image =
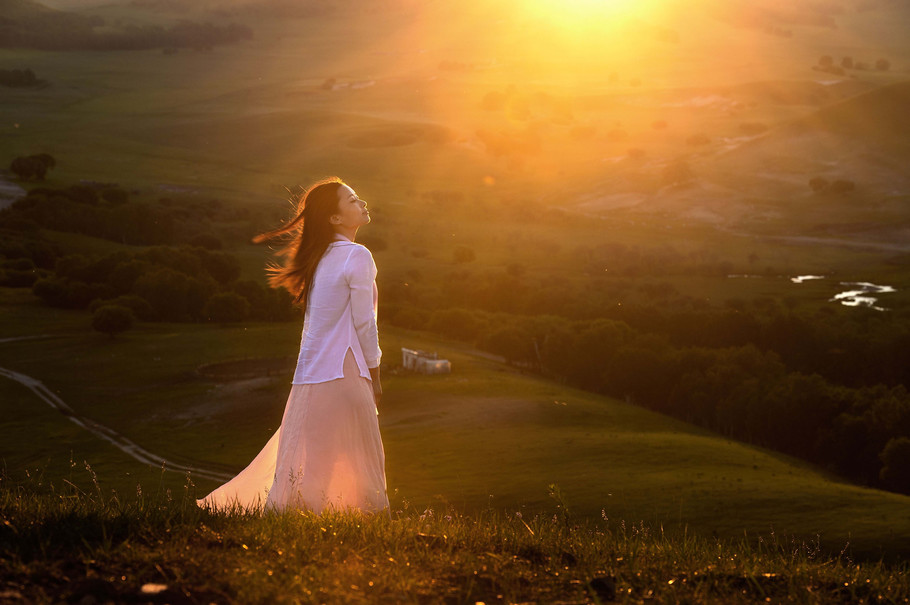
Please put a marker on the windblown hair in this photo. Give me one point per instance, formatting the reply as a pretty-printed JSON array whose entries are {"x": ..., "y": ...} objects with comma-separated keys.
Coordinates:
[{"x": 310, "y": 234}]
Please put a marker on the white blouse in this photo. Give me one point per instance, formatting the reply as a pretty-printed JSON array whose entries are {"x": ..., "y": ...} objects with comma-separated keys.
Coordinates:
[{"x": 340, "y": 315}]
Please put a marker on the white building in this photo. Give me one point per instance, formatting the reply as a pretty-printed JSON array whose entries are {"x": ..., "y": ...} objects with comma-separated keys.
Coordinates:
[{"x": 423, "y": 362}]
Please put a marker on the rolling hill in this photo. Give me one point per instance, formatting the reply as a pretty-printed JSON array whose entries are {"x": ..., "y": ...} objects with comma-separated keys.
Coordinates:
[{"x": 484, "y": 435}]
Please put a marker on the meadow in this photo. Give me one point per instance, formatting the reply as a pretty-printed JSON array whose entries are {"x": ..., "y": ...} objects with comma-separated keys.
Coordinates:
[
  {"x": 162, "y": 549},
  {"x": 607, "y": 458},
  {"x": 673, "y": 145}
]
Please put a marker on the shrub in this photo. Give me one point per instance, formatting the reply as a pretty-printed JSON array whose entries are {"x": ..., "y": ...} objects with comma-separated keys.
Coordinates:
[
  {"x": 19, "y": 264},
  {"x": 32, "y": 166},
  {"x": 115, "y": 196},
  {"x": 842, "y": 186},
  {"x": 83, "y": 194},
  {"x": 227, "y": 307},
  {"x": 173, "y": 295},
  {"x": 140, "y": 307},
  {"x": 753, "y": 128},
  {"x": 510, "y": 342},
  {"x": 883, "y": 65},
  {"x": 206, "y": 241},
  {"x": 18, "y": 278},
  {"x": 223, "y": 267},
  {"x": 19, "y": 78},
  {"x": 583, "y": 133},
  {"x": 896, "y": 464},
  {"x": 826, "y": 61},
  {"x": 819, "y": 184},
  {"x": 456, "y": 323},
  {"x": 493, "y": 101},
  {"x": 112, "y": 319},
  {"x": 463, "y": 254},
  {"x": 617, "y": 134},
  {"x": 516, "y": 269},
  {"x": 406, "y": 316},
  {"x": 677, "y": 173},
  {"x": 66, "y": 293}
]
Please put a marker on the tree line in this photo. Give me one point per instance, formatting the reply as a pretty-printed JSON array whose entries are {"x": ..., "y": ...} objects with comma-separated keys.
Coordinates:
[
  {"x": 826, "y": 385},
  {"x": 183, "y": 275},
  {"x": 741, "y": 391},
  {"x": 58, "y": 30},
  {"x": 107, "y": 212},
  {"x": 20, "y": 78}
]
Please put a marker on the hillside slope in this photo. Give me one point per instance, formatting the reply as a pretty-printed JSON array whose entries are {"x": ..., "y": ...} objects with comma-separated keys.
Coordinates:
[
  {"x": 23, "y": 9},
  {"x": 875, "y": 118},
  {"x": 485, "y": 434}
]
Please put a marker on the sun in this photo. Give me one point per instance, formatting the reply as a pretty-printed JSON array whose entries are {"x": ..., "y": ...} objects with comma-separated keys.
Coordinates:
[{"x": 588, "y": 9}]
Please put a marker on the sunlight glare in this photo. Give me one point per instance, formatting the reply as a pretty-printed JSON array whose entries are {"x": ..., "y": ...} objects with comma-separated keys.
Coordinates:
[{"x": 578, "y": 12}]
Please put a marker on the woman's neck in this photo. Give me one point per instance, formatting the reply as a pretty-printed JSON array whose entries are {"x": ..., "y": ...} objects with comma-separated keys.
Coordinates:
[{"x": 347, "y": 233}]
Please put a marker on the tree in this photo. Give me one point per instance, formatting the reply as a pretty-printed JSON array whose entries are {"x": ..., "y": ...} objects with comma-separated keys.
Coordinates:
[
  {"x": 819, "y": 184},
  {"x": 226, "y": 307},
  {"x": 24, "y": 168},
  {"x": 207, "y": 241},
  {"x": 511, "y": 343},
  {"x": 223, "y": 267},
  {"x": 677, "y": 173},
  {"x": 842, "y": 186},
  {"x": 115, "y": 196},
  {"x": 463, "y": 254},
  {"x": 883, "y": 65},
  {"x": 896, "y": 464},
  {"x": 112, "y": 319},
  {"x": 826, "y": 61},
  {"x": 32, "y": 166},
  {"x": 140, "y": 307},
  {"x": 456, "y": 323},
  {"x": 167, "y": 291}
]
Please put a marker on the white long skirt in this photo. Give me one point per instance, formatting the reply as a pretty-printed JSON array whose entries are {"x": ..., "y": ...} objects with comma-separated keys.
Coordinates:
[{"x": 327, "y": 453}]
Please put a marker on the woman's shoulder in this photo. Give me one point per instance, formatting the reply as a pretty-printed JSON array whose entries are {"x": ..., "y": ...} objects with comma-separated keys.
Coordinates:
[
  {"x": 361, "y": 250},
  {"x": 359, "y": 256}
]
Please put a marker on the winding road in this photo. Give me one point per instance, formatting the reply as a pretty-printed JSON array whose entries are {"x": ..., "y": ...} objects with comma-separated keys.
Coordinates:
[{"x": 111, "y": 436}]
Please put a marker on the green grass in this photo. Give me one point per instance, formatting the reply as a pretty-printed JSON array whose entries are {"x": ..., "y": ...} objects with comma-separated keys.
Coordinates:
[
  {"x": 484, "y": 434},
  {"x": 66, "y": 544}
]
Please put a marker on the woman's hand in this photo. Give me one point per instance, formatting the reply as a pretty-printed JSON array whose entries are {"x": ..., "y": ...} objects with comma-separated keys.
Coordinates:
[{"x": 377, "y": 385}]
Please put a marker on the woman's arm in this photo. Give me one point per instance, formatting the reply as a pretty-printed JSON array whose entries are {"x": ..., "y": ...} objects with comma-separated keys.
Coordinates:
[
  {"x": 360, "y": 272},
  {"x": 377, "y": 385}
]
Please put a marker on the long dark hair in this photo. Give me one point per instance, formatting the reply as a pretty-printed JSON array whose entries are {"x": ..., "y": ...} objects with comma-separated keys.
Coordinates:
[{"x": 311, "y": 235}]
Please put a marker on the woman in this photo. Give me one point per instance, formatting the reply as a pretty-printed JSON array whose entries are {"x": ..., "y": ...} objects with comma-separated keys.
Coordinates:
[{"x": 327, "y": 453}]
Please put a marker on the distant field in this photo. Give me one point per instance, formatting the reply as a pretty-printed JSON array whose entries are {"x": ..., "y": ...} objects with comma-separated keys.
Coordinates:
[
  {"x": 407, "y": 106},
  {"x": 484, "y": 434}
]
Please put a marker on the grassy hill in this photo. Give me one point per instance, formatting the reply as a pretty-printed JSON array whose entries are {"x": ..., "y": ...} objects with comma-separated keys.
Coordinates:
[
  {"x": 23, "y": 9},
  {"x": 872, "y": 118},
  {"x": 483, "y": 436},
  {"x": 81, "y": 547}
]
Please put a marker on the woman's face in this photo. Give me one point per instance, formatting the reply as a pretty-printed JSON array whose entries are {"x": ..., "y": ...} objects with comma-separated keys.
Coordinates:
[{"x": 352, "y": 211}]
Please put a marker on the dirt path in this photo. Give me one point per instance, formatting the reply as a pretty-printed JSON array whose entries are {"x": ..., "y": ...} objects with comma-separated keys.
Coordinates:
[
  {"x": 9, "y": 192},
  {"x": 114, "y": 438},
  {"x": 825, "y": 241}
]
